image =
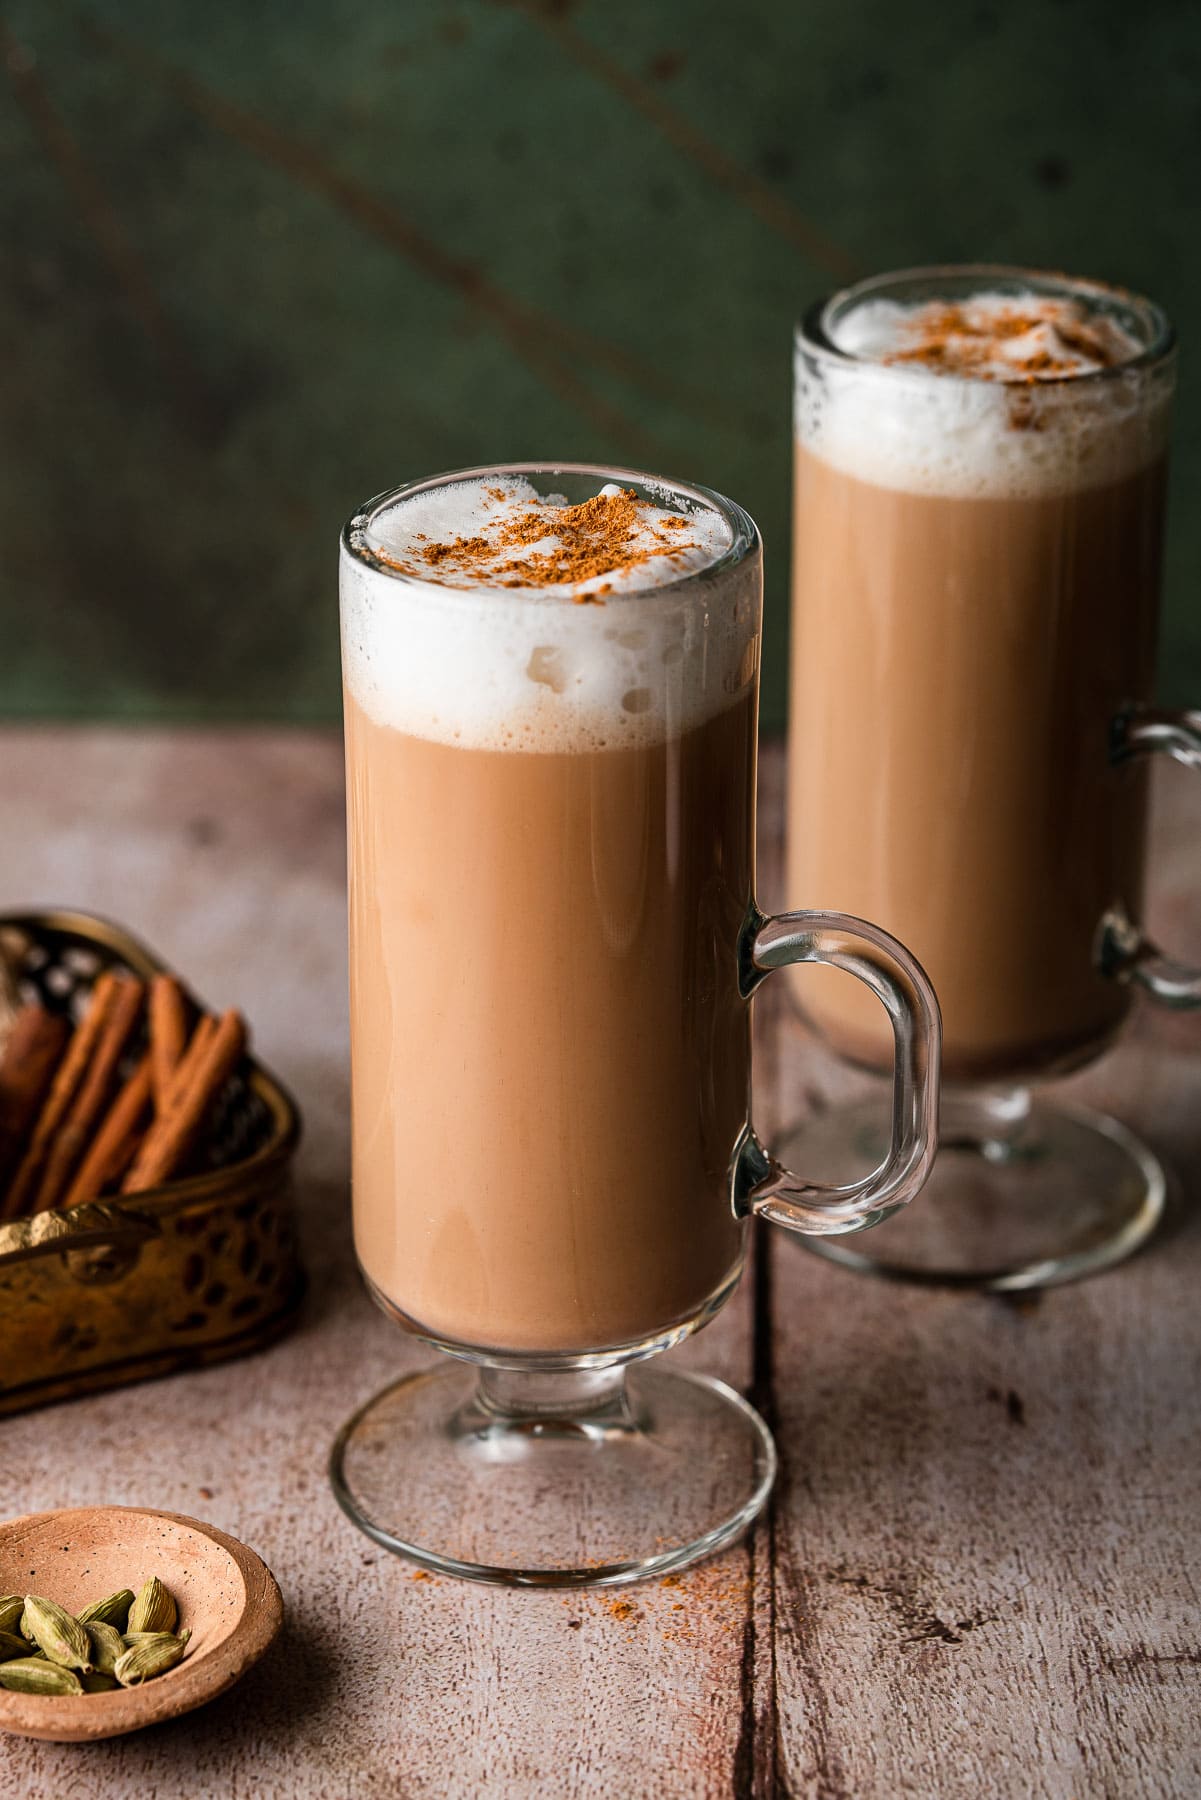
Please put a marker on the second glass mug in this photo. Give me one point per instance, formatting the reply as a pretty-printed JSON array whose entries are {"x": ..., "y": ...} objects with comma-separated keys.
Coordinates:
[
  {"x": 554, "y": 943},
  {"x": 976, "y": 590}
]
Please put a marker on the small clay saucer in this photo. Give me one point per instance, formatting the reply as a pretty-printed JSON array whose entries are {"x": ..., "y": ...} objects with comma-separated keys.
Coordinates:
[{"x": 227, "y": 1597}]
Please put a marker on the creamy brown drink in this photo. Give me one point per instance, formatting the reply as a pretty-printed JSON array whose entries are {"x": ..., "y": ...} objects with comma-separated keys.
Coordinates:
[
  {"x": 551, "y": 681},
  {"x": 976, "y": 573},
  {"x": 550, "y": 784}
]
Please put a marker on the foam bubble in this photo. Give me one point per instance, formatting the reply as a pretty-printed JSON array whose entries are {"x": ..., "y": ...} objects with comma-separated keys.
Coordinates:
[
  {"x": 992, "y": 407},
  {"x": 559, "y": 667}
]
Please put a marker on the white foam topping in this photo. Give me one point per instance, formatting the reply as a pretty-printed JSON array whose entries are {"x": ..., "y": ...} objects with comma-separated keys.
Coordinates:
[
  {"x": 981, "y": 397},
  {"x": 458, "y": 626},
  {"x": 988, "y": 337},
  {"x": 461, "y": 535}
]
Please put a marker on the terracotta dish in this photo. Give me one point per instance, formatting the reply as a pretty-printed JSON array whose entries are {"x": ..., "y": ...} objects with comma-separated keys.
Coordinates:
[{"x": 227, "y": 1597}]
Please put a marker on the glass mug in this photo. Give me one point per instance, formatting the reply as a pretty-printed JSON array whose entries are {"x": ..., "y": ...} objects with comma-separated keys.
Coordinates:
[
  {"x": 553, "y": 944},
  {"x": 975, "y": 595}
]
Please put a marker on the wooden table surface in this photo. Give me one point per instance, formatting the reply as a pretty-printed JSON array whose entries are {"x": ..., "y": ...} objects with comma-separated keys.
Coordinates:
[{"x": 980, "y": 1575}]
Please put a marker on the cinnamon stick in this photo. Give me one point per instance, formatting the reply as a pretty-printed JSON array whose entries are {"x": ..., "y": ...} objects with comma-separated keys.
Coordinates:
[
  {"x": 116, "y": 1142},
  {"x": 31, "y": 1055},
  {"x": 189, "y": 1062},
  {"x": 92, "y": 1095},
  {"x": 63, "y": 1089},
  {"x": 211, "y": 1059},
  {"x": 168, "y": 1034},
  {"x": 185, "y": 1074}
]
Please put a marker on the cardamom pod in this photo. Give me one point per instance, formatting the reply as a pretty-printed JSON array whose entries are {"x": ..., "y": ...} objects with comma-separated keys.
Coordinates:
[
  {"x": 95, "y": 1681},
  {"x": 53, "y": 1630},
  {"x": 11, "y": 1608},
  {"x": 152, "y": 1655},
  {"x": 30, "y": 1675},
  {"x": 106, "y": 1645},
  {"x": 114, "y": 1611},
  {"x": 154, "y": 1609},
  {"x": 12, "y": 1644}
]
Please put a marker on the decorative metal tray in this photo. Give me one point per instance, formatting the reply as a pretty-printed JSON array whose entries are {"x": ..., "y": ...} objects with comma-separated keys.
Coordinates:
[{"x": 126, "y": 1288}]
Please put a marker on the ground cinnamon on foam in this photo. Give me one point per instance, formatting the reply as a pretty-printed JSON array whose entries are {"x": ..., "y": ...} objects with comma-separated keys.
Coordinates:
[
  {"x": 598, "y": 537},
  {"x": 948, "y": 341}
]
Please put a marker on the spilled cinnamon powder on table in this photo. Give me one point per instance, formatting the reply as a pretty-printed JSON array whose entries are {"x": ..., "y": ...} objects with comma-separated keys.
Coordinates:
[
  {"x": 712, "y": 1598},
  {"x": 602, "y": 536}
]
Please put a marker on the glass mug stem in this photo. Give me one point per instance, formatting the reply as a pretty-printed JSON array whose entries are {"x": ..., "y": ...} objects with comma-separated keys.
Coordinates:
[
  {"x": 763, "y": 1186},
  {"x": 1125, "y": 953}
]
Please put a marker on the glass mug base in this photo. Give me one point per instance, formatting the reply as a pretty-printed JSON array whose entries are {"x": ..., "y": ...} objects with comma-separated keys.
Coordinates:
[
  {"x": 1066, "y": 1193},
  {"x": 528, "y": 1479}
]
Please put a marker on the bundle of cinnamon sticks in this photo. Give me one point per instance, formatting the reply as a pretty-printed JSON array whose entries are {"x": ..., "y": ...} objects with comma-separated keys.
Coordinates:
[{"x": 118, "y": 1104}]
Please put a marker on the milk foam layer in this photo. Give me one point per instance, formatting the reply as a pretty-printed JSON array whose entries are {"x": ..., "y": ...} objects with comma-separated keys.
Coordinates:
[
  {"x": 993, "y": 407},
  {"x": 990, "y": 337},
  {"x": 420, "y": 537},
  {"x": 555, "y": 667}
]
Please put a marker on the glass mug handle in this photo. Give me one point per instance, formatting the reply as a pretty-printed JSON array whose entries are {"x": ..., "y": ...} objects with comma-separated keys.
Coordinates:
[
  {"x": 1125, "y": 953},
  {"x": 763, "y": 1186}
]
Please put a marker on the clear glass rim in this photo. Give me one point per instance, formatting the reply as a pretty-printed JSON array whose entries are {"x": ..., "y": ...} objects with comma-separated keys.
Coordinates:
[
  {"x": 1151, "y": 323},
  {"x": 357, "y": 542}
]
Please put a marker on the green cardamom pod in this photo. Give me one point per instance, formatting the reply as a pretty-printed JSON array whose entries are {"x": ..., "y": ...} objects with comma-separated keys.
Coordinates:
[
  {"x": 12, "y": 1644},
  {"x": 95, "y": 1681},
  {"x": 114, "y": 1611},
  {"x": 154, "y": 1609},
  {"x": 11, "y": 1608},
  {"x": 106, "y": 1645},
  {"x": 30, "y": 1675},
  {"x": 53, "y": 1630},
  {"x": 154, "y": 1654}
]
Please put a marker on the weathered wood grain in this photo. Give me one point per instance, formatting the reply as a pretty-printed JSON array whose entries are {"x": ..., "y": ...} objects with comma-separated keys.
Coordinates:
[
  {"x": 986, "y": 1535},
  {"x": 981, "y": 1574}
]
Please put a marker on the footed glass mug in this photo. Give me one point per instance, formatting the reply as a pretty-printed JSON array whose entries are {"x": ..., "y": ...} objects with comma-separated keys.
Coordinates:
[
  {"x": 980, "y": 471},
  {"x": 553, "y": 946}
]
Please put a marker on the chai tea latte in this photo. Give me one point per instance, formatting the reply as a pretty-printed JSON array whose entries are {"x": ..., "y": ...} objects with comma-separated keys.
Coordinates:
[
  {"x": 550, "y": 787},
  {"x": 975, "y": 584}
]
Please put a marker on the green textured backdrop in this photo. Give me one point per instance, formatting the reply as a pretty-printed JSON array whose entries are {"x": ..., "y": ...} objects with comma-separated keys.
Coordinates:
[{"x": 262, "y": 260}]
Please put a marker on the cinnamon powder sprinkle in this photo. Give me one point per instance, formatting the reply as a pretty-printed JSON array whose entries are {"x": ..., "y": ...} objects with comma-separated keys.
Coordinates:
[
  {"x": 948, "y": 340},
  {"x": 607, "y": 535}
]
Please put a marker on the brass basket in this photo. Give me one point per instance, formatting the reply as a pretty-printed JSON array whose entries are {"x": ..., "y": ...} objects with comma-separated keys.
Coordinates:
[{"x": 123, "y": 1289}]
